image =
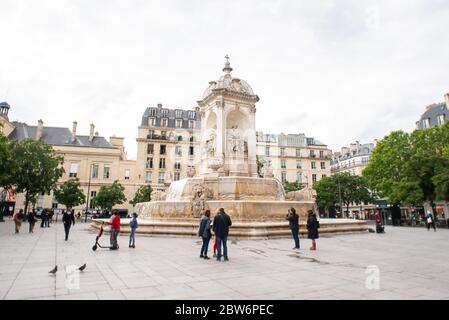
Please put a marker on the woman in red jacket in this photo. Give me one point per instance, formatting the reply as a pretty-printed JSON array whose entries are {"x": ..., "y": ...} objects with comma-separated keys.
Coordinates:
[{"x": 115, "y": 229}]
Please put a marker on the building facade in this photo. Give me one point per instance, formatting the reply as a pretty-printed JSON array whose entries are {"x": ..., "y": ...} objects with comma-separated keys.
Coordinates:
[
  {"x": 435, "y": 115},
  {"x": 352, "y": 159},
  {"x": 94, "y": 160},
  {"x": 168, "y": 145},
  {"x": 294, "y": 157}
]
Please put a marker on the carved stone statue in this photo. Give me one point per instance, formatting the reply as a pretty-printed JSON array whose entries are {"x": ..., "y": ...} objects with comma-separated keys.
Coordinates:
[
  {"x": 191, "y": 171},
  {"x": 235, "y": 142},
  {"x": 198, "y": 203},
  {"x": 210, "y": 145},
  {"x": 305, "y": 194},
  {"x": 157, "y": 195}
]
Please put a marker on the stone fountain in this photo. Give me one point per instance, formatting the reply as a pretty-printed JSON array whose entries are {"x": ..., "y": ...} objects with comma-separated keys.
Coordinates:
[{"x": 227, "y": 176}]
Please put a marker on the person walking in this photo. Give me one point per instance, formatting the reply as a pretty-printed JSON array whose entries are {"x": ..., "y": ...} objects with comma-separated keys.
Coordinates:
[
  {"x": 430, "y": 221},
  {"x": 43, "y": 218},
  {"x": 31, "y": 217},
  {"x": 68, "y": 219},
  {"x": 17, "y": 217},
  {"x": 312, "y": 228},
  {"x": 205, "y": 233},
  {"x": 221, "y": 225},
  {"x": 293, "y": 221},
  {"x": 115, "y": 229},
  {"x": 133, "y": 225},
  {"x": 49, "y": 217}
]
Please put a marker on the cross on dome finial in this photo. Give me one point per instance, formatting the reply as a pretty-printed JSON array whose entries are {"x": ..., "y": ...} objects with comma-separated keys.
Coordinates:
[{"x": 227, "y": 68}]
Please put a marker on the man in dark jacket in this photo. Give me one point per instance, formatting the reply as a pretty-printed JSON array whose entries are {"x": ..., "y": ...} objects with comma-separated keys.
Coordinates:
[
  {"x": 221, "y": 225},
  {"x": 68, "y": 219},
  {"x": 293, "y": 220}
]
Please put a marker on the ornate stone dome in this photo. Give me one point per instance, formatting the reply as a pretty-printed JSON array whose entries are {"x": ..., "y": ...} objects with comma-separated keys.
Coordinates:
[{"x": 228, "y": 83}]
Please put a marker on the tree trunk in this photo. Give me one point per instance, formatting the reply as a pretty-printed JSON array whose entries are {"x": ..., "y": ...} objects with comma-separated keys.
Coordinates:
[{"x": 27, "y": 200}]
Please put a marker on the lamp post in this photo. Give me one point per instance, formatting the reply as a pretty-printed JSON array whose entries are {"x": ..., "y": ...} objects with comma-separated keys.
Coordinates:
[
  {"x": 88, "y": 192},
  {"x": 339, "y": 194}
]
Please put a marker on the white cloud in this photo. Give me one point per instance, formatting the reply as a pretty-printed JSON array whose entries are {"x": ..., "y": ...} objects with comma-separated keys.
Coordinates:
[{"x": 337, "y": 70}]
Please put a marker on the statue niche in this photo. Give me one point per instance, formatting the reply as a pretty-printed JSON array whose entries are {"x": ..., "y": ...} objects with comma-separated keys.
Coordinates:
[
  {"x": 236, "y": 144},
  {"x": 198, "y": 205}
]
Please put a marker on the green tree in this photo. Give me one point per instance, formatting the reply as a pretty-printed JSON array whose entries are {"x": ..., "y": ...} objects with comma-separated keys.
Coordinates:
[
  {"x": 327, "y": 192},
  {"x": 70, "y": 194},
  {"x": 292, "y": 186},
  {"x": 8, "y": 166},
  {"x": 260, "y": 165},
  {"x": 108, "y": 196},
  {"x": 143, "y": 194},
  {"x": 38, "y": 168}
]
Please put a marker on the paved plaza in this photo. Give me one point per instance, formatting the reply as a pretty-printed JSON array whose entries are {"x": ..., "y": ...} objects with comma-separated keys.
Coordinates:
[{"x": 413, "y": 263}]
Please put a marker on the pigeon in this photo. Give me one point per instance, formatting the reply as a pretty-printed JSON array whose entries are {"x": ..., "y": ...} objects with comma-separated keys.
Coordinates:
[
  {"x": 82, "y": 267},
  {"x": 53, "y": 271}
]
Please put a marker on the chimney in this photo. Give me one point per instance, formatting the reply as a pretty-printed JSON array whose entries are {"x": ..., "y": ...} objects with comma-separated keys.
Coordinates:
[
  {"x": 446, "y": 98},
  {"x": 74, "y": 131},
  {"x": 39, "y": 129},
  {"x": 91, "y": 134},
  {"x": 159, "y": 105}
]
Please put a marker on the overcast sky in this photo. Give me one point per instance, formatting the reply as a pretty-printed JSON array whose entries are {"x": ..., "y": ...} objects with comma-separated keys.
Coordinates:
[{"x": 337, "y": 70}]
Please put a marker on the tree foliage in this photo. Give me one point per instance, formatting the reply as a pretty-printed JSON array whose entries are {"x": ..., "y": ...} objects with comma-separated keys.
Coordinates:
[
  {"x": 292, "y": 186},
  {"x": 109, "y": 196},
  {"x": 38, "y": 168},
  {"x": 8, "y": 166},
  {"x": 143, "y": 194},
  {"x": 260, "y": 165},
  {"x": 70, "y": 194},
  {"x": 411, "y": 168}
]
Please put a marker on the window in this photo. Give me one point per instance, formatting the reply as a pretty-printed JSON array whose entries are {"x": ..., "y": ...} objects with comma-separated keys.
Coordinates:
[
  {"x": 73, "y": 170},
  {"x": 95, "y": 168},
  {"x": 162, "y": 149},
  {"x": 153, "y": 112},
  {"x": 313, "y": 165},
  {"x": 282, "y": 152},
  {"x": 440, "y": 119},
  {"x": 106, "y": 172},
  {"x": 164, "y": 135},
  {"x": 284, "y": 176},
  {"x": 191, "y": 139},
  {"x": 161, "y": 177},
  {"x": 298, "y": 164},
  {"x": 299, "y": 177},
  {"x": 191, "y": 114},
  {"x": 267, "y": 151},
  {"x": 298, "y": 152},
  {"x": 162, "y": 163},
  {"x": 365, "y": 160},
  {"x": 93, "y": 194},
  {"x": 177, "y": 176},
  {"x": 164, "y": 122},
  {"x": 178, "y": 123},
  {"x": 321, "y": 154},
  {"x": 191, "y": 151},
  {"x": 191, "y": 124},
  {"x": 324, "y": 176},
  {"x": 178, "y": 151},
  {"x": 150, "y": 148},
  {"x": 150, "y": 134},
  {"x": 313, "y": 178},
  {"x": 178, "y": 113},
  {"x": 323, "y": 165},
  {"x": 426, "y": 123},
  {"x": 148, "y": 177},
  {"x": 126, "y": 174},
  {"x": 177, "y": 165},
  {"x": 179, "y": 138},
  {"x": 149, "y": 163},
  {"x": 152, "y": 122},
  {"x": 312, "y": 153},
  {"x": 165, "y": 113},
  {"x": 283, "y": 164}
]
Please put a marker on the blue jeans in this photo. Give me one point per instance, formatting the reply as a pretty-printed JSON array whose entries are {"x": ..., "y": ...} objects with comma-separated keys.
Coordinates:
[
  {"x": 223, "y": 241},
  {"x": 67, "y": 230},
  {"x": 205, "y": 245},
  {"x": 295, "y": 235},
  {"x": 132, "y": 237}
]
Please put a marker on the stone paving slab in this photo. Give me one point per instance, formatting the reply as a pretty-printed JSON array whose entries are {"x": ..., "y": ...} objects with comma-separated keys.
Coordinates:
[{"x": 412, "y": 264}]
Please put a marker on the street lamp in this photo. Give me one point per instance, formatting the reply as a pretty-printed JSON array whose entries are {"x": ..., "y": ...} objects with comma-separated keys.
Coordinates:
[
  {"x": 88, "y": 192},
  {"x": 339, "y": 194}
]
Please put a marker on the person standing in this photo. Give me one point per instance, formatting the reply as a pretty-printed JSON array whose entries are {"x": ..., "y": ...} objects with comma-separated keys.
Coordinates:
[
  {"x": 293, "y": 221},
  {"x": 43, "y": 218},
  {"x": 17, "y": 217},
  {"x": 312, "y": 228},
  {"x": 115, "y": 229},
  {"x": 205, "y": 233},
  {"x": 221, "y": 225},
  {"x": 430, "y": 221},
  {"x": 133, "y": 225},
  {"x": 31, "y": 217},
  {"x": 68, "y": 219}
]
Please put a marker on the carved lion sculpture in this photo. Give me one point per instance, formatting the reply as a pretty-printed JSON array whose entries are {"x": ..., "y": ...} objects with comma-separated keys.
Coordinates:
[{"x": 305, "y": 194}]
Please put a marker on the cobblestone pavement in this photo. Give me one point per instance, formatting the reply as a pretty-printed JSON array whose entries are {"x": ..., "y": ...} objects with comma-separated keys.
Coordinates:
[{"x": 411, "y": 263}]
